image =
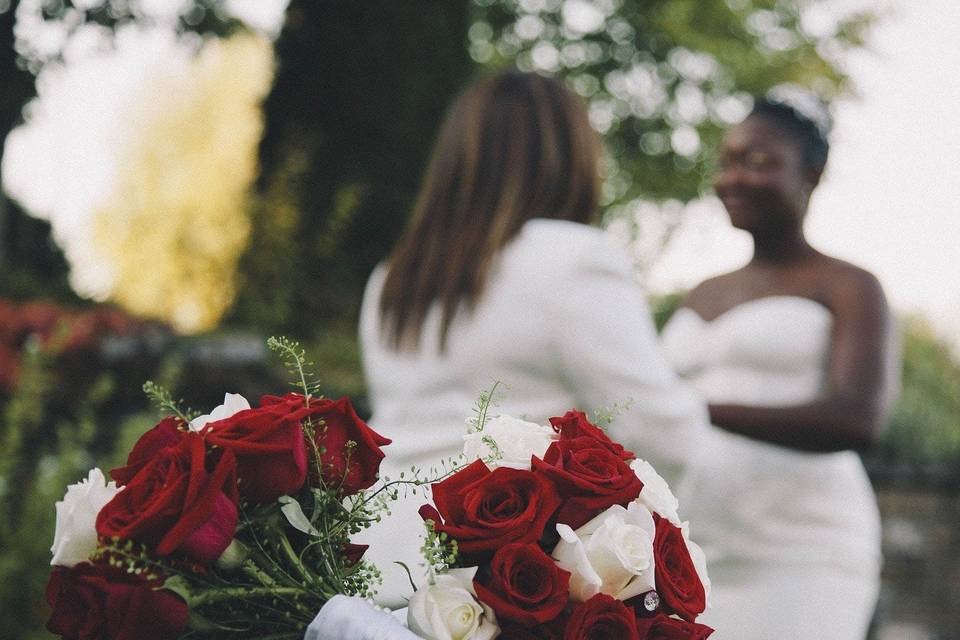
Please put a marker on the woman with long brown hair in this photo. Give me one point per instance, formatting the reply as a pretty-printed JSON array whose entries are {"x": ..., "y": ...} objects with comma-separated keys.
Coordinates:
[{"x": 500, "y": 277}]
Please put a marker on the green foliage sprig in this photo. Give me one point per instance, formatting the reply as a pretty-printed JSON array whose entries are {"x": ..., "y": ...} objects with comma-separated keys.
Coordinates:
[
  {"x": 163, "y": 400},
  {"x": 295, "y": 359},
  {"x": 439, "y": 550}
]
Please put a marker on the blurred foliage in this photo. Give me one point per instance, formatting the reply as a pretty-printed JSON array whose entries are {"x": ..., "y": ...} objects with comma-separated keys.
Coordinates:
[
  {"x": 664, "y": 306},
  {"x": 361, "y": 87},
  {"x": 359, "y": 91},
  {"x": 71, "y": 411},
  {"x": 46, "y": 444},
  {"x": 64, "y": 18},
  {"x": 175, "y": 222},
  {"x": 665, "y": 77},
  {"x": 31, "y": 264},
  {"x": 925, "y": 426}
]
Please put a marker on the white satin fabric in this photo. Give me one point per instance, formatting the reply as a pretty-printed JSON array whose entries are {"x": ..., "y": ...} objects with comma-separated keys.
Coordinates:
[
  {"x": 564, "y": 325},
  {"x": 792, "y": 538},
  {"x": 351, "y": 618}
]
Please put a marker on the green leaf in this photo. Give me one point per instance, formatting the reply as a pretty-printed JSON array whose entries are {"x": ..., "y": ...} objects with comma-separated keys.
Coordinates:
[{"x": 296, "y": 517}]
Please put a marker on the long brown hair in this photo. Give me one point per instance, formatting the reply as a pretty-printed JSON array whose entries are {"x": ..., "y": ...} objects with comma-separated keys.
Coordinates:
[{"x": 514, "y": 146}]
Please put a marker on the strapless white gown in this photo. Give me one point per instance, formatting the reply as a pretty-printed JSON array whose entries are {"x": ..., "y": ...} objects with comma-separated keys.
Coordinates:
[{"x": 792, "y": 538}]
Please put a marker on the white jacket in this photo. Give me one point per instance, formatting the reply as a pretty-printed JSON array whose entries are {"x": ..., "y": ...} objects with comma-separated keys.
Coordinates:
[{"x": 563, "y": 324}]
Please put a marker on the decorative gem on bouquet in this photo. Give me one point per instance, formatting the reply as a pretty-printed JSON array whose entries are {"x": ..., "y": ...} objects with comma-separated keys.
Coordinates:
[{"x": 568, "y": 536}]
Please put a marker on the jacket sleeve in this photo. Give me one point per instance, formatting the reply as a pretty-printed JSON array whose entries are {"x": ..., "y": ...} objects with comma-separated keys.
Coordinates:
[{"x": 608, "y": 352}]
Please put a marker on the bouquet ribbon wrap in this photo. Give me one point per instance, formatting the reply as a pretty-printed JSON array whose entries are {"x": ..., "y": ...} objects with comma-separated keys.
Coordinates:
[{"x": 352, "y": 618}]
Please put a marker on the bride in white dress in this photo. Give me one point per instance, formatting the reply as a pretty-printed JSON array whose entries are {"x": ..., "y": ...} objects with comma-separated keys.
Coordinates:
[
  {"x": 498, "y": 276},
  {"x": 794, "y": 354}
]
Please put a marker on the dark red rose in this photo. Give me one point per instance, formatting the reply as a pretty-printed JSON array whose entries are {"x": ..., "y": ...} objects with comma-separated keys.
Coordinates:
[
  {"x": 525, "y": 585},
  {"x": 168, "y": 433},
  {"x": 574, "y": 424},
  {"x": 602, "y": 617},
  {"x": 589, "y": 476},
  {"x": 483, "y": 510},
  {"x": 175, "y": 504},
  {"x": 97, "y": 601},
  {"x": 350, "y": 450},
  {"x": 270, "y": 448},
  {"x": 552, "y": 630},
  {"x": 678, "y": 583},
  {"x": 354, "y": 552},
  {"x": 663, "y": 627}
]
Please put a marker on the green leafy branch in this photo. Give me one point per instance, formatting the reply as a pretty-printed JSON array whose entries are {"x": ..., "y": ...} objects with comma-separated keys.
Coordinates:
[
  {"x": 163, "y": 400},
  {"x": 294, "y": 358},
  {"x": 439, "y": 550},
  {"x": 486, "y": 399}
]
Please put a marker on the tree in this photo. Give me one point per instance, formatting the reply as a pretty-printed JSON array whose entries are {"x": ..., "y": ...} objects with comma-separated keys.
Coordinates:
[
  {"x": 361, "y": 88},
  {"x": 665, "y": 77},
  {"x": 30, "y": 263},
  {"x": 358, "y": 94}
]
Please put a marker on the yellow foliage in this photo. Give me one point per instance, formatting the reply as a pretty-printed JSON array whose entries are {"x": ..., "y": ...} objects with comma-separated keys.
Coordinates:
[{"x": 178, "y": 219}]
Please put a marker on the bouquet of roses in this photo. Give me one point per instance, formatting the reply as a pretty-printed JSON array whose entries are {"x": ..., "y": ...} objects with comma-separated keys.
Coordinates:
[
  {"x": 556, "y": 532},
  {"x": 231, "y": 524}
]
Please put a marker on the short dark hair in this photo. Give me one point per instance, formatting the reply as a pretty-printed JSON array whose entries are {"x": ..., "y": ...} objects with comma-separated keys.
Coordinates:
[{"x": 810, "y": 136}]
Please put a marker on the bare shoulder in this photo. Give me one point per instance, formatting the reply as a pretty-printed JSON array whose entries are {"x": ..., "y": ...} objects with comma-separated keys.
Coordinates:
[
  {"x": 712, "y": 289},
  {"x": 853, "y": 287}
]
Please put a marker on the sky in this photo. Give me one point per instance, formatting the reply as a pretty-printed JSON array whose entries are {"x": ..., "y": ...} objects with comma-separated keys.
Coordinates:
[{"x": 890, "y": 199}]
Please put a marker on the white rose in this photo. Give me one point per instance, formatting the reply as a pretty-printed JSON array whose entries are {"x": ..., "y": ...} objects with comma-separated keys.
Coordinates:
[
  {"x": 232, "y": 403},
  {"x": 516, "y": 440},
  {"x": 611, "y": 554},
  {"x": 656, "y": 494},
  {"x": 75, "y": 537},
  {"x": 449, "y": 610},
  {"x": 699, "y": 560}
]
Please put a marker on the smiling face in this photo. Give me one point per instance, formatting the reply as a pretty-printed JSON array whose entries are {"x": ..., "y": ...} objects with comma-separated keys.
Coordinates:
[{"x": 763, "y": 181}]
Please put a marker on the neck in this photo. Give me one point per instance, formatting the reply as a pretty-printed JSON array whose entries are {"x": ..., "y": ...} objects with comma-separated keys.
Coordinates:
[{"x": 781, "y": 246}]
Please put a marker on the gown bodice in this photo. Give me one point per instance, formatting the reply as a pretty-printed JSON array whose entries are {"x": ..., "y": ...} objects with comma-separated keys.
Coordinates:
[{"x": 752, "y": 499}]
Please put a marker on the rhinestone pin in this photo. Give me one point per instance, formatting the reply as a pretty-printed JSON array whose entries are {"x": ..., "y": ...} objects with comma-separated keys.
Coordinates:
[{"x": 651, "y": 601}]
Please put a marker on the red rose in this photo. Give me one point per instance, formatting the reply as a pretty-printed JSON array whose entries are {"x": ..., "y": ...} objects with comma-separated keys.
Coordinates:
[
  {"x": 354, "y": 552},
  {"x": 175, "y": 504},
  {"x": 270, "y": 448},
  {"x": 678, "y": 583},
  {"x": 552, "y": 630},
  {"x": 589, "y": 476},
  {"x": 483, "y": 510},
  {"x": 574, "y": 424},
  {"x": 525, "y": 585},
  {"x": 96, "y": 601},
  {"x": 663, "y": 627},
  {"x": 168, "y": 433},
  {"x": 601, "y": 617},
  {"x": 350, "y": 452}
]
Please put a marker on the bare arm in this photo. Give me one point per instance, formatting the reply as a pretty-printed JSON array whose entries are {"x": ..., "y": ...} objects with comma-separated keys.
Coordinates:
[{"x": 862, "y": 373}]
